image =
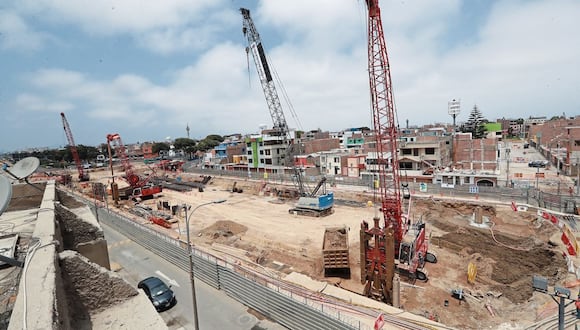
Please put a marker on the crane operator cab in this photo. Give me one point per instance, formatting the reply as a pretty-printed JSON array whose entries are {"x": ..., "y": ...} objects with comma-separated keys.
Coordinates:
[{"x": 405, "y": 253}]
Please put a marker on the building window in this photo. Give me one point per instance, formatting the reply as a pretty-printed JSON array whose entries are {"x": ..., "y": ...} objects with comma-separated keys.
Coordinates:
[
  {"x": 261, "y": 152},
  {"x": 405, "y": 165},
  {"x": 268, "y": 152},
  {"x": 261, "y": 161},
  {"x": 268, "y": 161},
  {"x": 336, "y": 159},
  {"x": 406, "y": 151},
  {"x": 429, "y": 151}
]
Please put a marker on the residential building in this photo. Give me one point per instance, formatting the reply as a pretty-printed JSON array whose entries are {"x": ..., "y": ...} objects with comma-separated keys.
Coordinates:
[
  {"x": 559, "y": 141},
  {"x": 511, "y": 127},
  {"x": 420, "y": 153},
  {"x": 532, "y": 121},
  {"x": 355, "y": 165},
  {"x": 267, "y": 151},
  {"x": 332, "y": 162}
]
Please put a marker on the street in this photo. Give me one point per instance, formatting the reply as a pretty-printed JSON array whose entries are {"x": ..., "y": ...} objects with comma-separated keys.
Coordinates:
[{"x": 216, "y": 310}]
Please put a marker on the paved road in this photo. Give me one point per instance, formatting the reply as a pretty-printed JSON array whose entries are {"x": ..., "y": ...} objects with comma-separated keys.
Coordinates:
[
  {"x": 216, "y": 309},
  {"x": 521, "y": 173}
]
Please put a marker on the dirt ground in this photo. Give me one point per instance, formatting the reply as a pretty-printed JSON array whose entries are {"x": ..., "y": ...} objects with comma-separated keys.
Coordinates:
[{"x": 256, "y": 227}]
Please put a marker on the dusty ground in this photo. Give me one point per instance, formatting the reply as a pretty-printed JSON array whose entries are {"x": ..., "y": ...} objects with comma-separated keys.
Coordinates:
[{"x": 257, "y": 227}]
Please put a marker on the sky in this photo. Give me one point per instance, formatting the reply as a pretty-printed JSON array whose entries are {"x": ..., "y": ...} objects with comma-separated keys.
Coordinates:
[{"x": 148, "y": 69}]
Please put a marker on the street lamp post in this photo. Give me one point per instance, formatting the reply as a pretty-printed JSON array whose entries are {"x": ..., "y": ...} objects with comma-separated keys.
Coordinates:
[
  {"x": 507, "y": 172},
  {"x": 190, "y": 254},
  {"x": 540, "y": 284}
]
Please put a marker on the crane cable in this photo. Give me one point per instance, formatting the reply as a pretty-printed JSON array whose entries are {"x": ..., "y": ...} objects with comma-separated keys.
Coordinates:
[{"x": 284, "y": 94}]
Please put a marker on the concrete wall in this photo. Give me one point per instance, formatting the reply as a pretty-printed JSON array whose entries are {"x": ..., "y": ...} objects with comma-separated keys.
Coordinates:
[
  {"x": 87, "y": 236},
  {"x": 95, "y": 251},
  {"x": 95, "y": 294},
  {"x": 67, "y": 290},
  {"x": 36, "y": 305}
]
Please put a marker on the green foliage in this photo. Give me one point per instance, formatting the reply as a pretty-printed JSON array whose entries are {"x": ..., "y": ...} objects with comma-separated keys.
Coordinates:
[
  {"x": 475, "y": 124},
  {"x": 86, "y": 153},
  {"x": 493, "y": 127},
  {"x": 214, "y": 137},
  {"x": 184, "y": 143},
  {"x": 158, "y": 146},
  {"x": 209, "y": 142}
]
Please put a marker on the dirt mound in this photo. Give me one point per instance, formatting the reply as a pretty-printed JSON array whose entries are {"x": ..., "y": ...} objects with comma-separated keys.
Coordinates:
[{"x": 223, "y": 229}]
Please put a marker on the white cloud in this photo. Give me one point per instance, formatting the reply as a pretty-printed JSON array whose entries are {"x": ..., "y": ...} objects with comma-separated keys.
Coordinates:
[
  {"x": 15, "y": 34},
  {"x": 522, "y": 60},
  {"x": 27, "y": 102},
  {"x": 163, "y": 27}
]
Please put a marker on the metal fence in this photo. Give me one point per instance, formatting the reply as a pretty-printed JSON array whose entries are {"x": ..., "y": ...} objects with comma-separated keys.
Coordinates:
[
  {"x": 286, "y": 304},
  {"x": 553, "y": 196}
]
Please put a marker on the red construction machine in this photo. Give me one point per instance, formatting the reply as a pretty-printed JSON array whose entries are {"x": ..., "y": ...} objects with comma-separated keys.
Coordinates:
[
  {"x": 83, "y": 175},
  {"x": 396, "y": 245},
  {"x": 139, "y": 188}
]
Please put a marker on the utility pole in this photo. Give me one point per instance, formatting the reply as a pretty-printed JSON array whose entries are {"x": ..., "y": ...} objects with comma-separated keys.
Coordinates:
[
  {"x": 577, "y": 176},
  {"x": 507, "y": 172}
]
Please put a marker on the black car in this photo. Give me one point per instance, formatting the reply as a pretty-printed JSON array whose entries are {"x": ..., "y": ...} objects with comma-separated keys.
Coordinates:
[
  {"x": 158, "y": 292},
  {"x": 538, "y": 163}
]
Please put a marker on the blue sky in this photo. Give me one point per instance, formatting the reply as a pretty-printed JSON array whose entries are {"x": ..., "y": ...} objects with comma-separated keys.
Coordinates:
[{"x": 146, "y": 70}]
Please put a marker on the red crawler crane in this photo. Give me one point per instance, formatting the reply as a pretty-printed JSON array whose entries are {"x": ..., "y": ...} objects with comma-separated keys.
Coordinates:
[
  {"x": 392, "y": 247},
  {"x": 83, "y": 176},
  {"x": 139, "y": 187}
]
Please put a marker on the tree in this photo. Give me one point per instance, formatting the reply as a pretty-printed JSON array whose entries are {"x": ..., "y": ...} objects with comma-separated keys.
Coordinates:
[
  {"x": 475, "y": 124},
  {"x": 215, "y": 137},
  {"x": 86, "y": 153},
  {"x": 184, "y": 143},
  {"x": 158, "y": 146},
  {"x": 209, "y": 142}
]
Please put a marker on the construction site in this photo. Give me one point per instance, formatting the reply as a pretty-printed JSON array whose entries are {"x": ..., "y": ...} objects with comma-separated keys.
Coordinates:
[
  {"x": 463, "y": 262},
  {"x": 504, "y": 247}
]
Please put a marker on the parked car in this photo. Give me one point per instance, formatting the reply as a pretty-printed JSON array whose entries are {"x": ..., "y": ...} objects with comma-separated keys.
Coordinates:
[
  {"x": 161, "y": 295},
  {"x": 538, "y": 163}
]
